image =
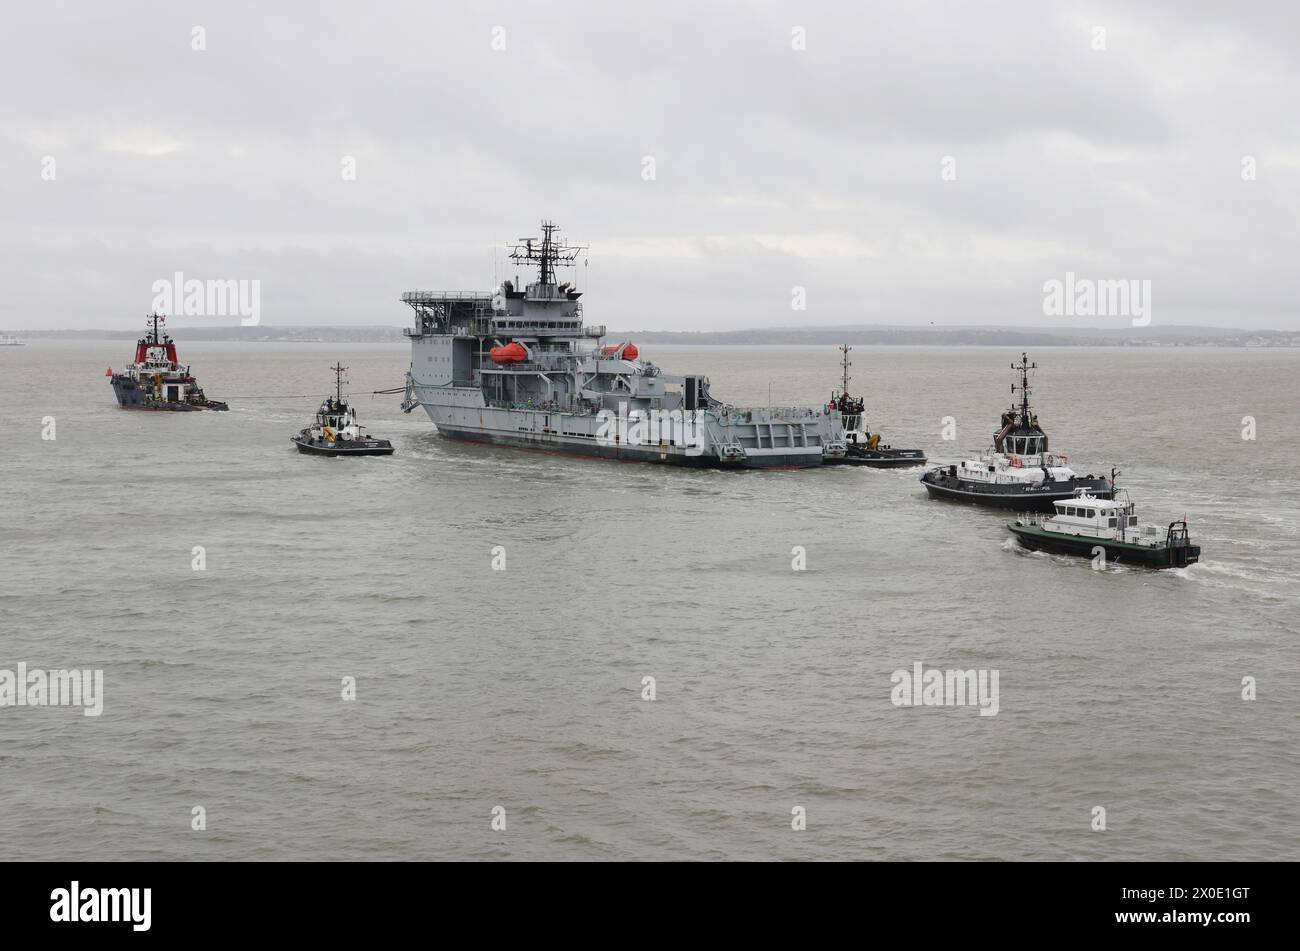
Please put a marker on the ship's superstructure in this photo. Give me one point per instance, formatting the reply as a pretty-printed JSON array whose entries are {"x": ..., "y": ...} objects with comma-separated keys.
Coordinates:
[
  {"x": 156, "y": 379},
  {"x": 519, "y": 367}
]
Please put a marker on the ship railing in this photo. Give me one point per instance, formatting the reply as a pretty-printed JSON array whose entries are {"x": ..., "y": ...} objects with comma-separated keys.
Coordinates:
[
  {"x": 435, "y": 297},
  {"x": 502, "y": 326},
  {"x": 763, "y": 414},
  {"x": 543, "y": 406}
]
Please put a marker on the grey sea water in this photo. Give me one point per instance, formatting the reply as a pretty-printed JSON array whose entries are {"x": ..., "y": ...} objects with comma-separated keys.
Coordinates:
[{"x": 523, "y": 688}]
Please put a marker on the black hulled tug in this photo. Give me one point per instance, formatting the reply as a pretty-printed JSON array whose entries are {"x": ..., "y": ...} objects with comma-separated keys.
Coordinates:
[
  {"x": 1018, "y": 472},
  {"x": 157, "y": 380},
  {"x": 336, "y": 432},
  {"x": 1085, "y": 523},
  {"x": 863, "y": 447}
]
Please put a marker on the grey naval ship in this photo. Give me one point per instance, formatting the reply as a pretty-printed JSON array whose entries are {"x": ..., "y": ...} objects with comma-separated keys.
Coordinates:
[
  {"x": 518, "y": 367},
  {"x": 157, "y": 380}
]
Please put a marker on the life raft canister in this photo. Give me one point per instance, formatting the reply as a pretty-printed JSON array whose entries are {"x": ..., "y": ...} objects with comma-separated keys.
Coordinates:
[
  {"x": 629, "y": 351},
  {"x": 1017, "y": 462},
  {"x": 510, "y": 353}
]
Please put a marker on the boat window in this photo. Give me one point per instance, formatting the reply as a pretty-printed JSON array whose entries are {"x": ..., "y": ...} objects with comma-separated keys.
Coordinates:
[
  {"x": 1110, "y": 522},
  {"x": 1092, "y": 513},
  {"x": 1132, "y": 520}
]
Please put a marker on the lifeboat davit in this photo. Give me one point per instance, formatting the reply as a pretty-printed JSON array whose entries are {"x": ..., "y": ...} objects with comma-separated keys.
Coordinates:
[
  {"x": 510, "y": 353},
  {"x": 629, "y": 351}
]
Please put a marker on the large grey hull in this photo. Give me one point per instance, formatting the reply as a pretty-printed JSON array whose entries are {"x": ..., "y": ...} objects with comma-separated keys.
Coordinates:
[
  {"x": 571, "y": 435},
  {"x": 560, "y": 445}
]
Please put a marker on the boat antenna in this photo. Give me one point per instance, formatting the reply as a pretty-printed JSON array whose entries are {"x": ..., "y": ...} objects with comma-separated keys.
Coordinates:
[
  {"x": 547, "y": 253},
  {"x": 154, "y": 320},
  {"x": 844, "y": 349},
  {"x": 339, "y": 369},
  {"x": 1024, "y": 366}
]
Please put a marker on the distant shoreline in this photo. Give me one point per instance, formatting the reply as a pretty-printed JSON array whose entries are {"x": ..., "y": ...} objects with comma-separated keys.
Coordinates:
[{"x": 1173, "y": 336}]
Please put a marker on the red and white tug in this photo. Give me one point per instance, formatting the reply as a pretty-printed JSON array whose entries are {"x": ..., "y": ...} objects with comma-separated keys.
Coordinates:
[{"x": 157, "y": 380}]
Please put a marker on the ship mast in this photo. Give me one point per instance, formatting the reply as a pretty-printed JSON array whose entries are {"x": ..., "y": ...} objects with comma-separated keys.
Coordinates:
[
  {"x": 339, "y": 369},
  {"x": 547, "y": 253},
  {"x": 1024, "y": 366},
  {"x": 845, "y": 350},
  {"x": 153, "y": 320}
]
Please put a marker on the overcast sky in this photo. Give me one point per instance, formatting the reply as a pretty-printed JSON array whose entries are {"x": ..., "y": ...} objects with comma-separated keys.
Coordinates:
[{"x": 774, "y": 167}]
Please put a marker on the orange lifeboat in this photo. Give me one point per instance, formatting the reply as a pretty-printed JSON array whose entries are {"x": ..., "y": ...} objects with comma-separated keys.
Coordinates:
[
  {"x": 510, "y": 353},
  {"x": 628, "y": 351}
]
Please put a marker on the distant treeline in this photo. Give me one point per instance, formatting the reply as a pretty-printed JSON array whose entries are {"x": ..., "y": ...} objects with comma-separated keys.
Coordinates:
[{"x": 1172, "y": 336}]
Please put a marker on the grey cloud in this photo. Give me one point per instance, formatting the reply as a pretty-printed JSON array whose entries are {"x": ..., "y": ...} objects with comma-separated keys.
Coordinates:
[{"x": 775, "y": 167}]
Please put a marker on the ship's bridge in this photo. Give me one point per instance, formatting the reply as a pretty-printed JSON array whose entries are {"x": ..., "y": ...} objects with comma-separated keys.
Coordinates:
[
  {"x": 1021, "y": 441},
  {"x": 537, "y": 291}
]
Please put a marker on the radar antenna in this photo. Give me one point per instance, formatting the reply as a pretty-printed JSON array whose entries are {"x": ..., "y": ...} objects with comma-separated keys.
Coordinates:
[
  {"x": 152, "y": 321},
  {"x": 546, "y": 252},
  {"x": 339, "y": 369},
  {"x": 1024, "y": 366}
]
